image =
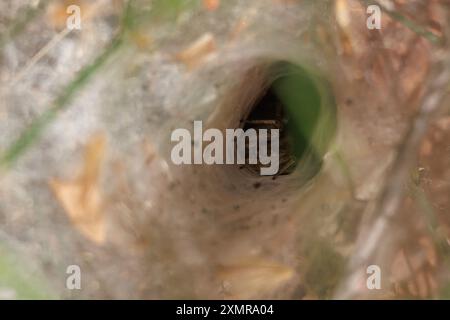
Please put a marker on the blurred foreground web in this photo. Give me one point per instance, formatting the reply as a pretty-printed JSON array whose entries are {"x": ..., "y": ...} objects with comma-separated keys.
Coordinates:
[{"x": 85, "y": 122}]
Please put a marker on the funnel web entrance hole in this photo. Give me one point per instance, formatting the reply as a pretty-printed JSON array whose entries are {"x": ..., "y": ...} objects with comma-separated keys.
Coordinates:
[{"x": 295, "y": 103}]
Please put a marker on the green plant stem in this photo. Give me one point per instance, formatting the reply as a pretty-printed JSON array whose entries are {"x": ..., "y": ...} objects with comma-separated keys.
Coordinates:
[{"x": 34, "y": 131}]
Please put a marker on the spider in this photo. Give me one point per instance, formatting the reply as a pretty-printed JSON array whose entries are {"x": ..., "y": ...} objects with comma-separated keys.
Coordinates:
[{"x": 268, "y": 114}]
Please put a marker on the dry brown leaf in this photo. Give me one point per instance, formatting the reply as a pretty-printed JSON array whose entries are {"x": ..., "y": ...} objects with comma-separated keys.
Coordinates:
[
  {"x": 240, "y": 26},
  {"x": 430, "y": 250},
  {"x": 197, "y": 51},
  {"x": 253, "y": 277},
  {"x": 400, "y": 270},
  {"x": 211, "y": 5},
  {"x": 142, "y": 39},
  {"x": 426, "y": 148},
  {"x": 342, "y": 13},
  {"x": 57, "y": 12},
  {"x": 81, "y": 197}
]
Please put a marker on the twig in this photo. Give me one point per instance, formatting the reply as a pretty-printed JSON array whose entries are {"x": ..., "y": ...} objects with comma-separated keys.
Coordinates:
[
  {"x": 46, "y": 49},
  {"x": 35, "y": 59},
  {"x": 36, "y": 128},
  {"x": 20, "y": 24},
  {"x": 33, "y": 132},
  {"x": 410, "y": 24},
  {"x": 387, "y": 205}
]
